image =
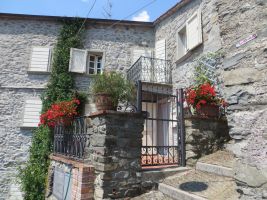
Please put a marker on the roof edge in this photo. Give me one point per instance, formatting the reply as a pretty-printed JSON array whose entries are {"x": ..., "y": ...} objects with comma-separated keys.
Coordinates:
[
  {"x": 89, "y": 20},
  {"x": 111, "y": 22},
  {"x": 171, "y": 11}
]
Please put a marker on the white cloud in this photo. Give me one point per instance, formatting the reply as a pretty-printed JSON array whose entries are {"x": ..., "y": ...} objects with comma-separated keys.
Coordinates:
[
  {"x": 85, "y": 1},
  {"x": 142, "y": 16}
]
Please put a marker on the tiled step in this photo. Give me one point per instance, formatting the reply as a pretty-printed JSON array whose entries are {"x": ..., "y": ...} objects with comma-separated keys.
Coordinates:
[{"x": 198, "y": 185}]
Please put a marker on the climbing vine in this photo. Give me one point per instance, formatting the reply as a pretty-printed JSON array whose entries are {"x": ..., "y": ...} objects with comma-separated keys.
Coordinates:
[
  {"x": 60, "y": 88},
  {"x": 206, "y": 69}
]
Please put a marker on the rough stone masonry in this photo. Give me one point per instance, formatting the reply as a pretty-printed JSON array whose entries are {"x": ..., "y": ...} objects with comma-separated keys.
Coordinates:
[
  {"x": 245, "y": 80},
  {"x": 114, "y": 149}
]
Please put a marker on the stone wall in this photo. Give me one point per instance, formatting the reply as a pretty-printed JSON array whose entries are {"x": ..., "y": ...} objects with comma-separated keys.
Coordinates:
[
  {"x": 245, "y": 79},
  {"x": 17, "y": 36},
  {"x": 204, "y": 136},
  {"x": 114, "y": 149},
  {"x": 182, "y": 74}
]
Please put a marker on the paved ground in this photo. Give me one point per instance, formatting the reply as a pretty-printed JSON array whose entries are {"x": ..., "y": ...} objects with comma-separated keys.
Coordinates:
[
  {"x": 152, "y": 195},
  {"x": 206, "y": 185},
  {"x": 223, "y": 158}
]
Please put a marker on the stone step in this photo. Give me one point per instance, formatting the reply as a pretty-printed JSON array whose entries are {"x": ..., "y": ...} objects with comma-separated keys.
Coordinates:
[
  {"x": 199, "y": 185},
  {"x": 177, "y": 194},
  {"x": 161, "y": 173},
  {"x": 215, "y": 169},
  {"x": 220, "y": 163}
]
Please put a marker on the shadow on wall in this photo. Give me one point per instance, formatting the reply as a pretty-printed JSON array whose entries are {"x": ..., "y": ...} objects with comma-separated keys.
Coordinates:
[{"x": 205, "y": 136}]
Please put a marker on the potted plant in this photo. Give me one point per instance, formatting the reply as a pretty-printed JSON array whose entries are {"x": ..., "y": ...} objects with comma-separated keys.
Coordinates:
[
  {"x": 110, "y": 88},
  {"x": 204, "y": 100}
]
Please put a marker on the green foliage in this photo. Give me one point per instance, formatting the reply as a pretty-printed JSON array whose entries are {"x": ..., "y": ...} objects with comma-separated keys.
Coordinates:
[
  {"x": 205, "y": 68},
  {"x": 33, "y": 176},
  {"x": 61, "y": 84},
  {"x": 60, "y": 88},
  {"x": 115, "y": 85}
]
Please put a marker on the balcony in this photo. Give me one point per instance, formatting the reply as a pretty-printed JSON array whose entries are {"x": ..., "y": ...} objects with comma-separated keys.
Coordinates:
[{"x": 150, "y": 70}]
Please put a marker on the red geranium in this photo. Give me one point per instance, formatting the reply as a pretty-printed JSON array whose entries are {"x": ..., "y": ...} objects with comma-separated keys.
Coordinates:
[
  {"x": 203, "y": 94},
  {"x": 63, "y": 111}
]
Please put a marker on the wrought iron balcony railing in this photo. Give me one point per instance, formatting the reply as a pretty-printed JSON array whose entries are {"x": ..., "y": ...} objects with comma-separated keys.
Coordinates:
[
  {"x": 151, "y": 70},
  {"x": 70, "y": 139}
]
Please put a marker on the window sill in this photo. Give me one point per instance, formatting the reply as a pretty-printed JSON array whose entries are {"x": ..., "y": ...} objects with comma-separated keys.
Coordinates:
[
  {"x": 25, "y": 127},
  {"x": 187, "y": 54},
  {"x": 39, "y": 72},
  {"x": 184, "y": 57}
]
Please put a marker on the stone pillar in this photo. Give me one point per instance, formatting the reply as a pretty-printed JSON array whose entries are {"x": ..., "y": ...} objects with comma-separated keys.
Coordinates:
[
  {"x": 114, "y": 149},
  {"x": 204, "y": 136}
]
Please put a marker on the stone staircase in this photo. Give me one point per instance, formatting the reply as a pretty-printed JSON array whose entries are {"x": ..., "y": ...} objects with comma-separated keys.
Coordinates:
[{"x": 211, "y": 179}]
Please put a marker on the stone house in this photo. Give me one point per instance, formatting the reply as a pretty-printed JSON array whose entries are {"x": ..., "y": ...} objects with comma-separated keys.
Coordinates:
[{"x": 185, "y": 32}]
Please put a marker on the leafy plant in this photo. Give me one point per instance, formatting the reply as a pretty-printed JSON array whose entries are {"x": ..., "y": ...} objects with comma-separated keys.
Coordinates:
[
  {"x": 115, "y": 85},
  {"x": 60, "y": 88},
  {"x": 33, "y": 176},
  {"x": 205, "y": 68}
]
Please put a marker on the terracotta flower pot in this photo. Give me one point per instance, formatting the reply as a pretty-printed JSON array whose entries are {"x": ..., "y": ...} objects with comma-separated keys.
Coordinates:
[
  {"x": 104, "y": 102},
  {"x": 208, "y": 110}
]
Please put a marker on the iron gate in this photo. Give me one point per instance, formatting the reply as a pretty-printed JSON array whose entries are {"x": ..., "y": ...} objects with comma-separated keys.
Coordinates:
[{"x": 163, "y": 141}]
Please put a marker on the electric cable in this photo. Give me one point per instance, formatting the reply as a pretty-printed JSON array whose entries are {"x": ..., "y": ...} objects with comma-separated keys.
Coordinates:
[
  {"x": 148, "y": 4},
  {"x": 93, "y": 5}
]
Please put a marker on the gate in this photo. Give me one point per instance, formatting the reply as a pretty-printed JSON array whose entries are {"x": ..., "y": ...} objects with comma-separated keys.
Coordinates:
[{"x": 163, "y": 141}]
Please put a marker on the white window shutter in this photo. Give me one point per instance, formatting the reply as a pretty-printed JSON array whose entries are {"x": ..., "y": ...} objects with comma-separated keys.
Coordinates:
[
  {"x": 32, "y": 111},
  {"x": 160, "y": 49},
  {"x": 146, "y": 66},
  {"x": 137, "y": 53},
  {"x": 160, "y": 65},
  {"x": 78, "y": 60},
  {"x": 40, "y": 59},
  {"x": 194, "y": 30}
]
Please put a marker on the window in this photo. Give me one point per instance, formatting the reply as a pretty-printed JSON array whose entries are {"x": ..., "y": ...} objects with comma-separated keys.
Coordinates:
[
  {"x": 84, "y": 61},
  {"x": 32, "y": 112},
  {"x": 94, "y": 64},
  {"x": 189, "y": 35},
  {"x": 40, "y": 59}
]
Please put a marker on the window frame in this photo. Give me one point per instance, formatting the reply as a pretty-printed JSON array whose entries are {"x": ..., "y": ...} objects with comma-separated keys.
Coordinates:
[
  {"x": 94, "y": 53},
  {"x": 188, "y": 52}
]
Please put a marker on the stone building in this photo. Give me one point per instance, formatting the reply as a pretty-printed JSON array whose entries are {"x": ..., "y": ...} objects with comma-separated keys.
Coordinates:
[{"x": 184, "y": 33}]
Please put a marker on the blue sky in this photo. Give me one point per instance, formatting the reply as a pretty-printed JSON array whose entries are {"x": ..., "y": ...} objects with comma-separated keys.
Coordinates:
[{"x": 120, "y": 8}]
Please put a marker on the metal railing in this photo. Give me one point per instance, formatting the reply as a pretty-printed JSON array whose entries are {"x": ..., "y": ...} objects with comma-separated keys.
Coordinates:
[
  {"x": 70, "y": 140},
  {"x": 151, "y": 70},
  {"x": 163, "y": 141}
]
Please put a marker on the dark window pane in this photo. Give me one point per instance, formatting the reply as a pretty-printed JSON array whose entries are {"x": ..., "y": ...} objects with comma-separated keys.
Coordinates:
[
  {"x": 99, "y": 59},
  {"x": 92, "y": 65},
  {"x": 91, "y": 71},
  {"x": 92, "y": 58}
]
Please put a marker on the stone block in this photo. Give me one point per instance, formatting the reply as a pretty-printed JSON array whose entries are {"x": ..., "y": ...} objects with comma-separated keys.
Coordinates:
[
  {"x": 240, "y": 76},
  {"x": 250, "y": 175}
]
